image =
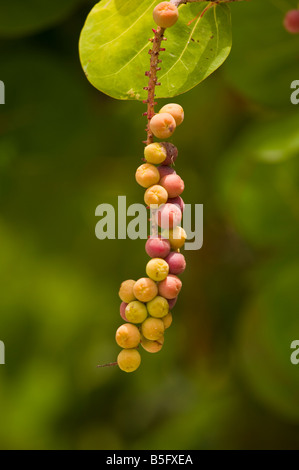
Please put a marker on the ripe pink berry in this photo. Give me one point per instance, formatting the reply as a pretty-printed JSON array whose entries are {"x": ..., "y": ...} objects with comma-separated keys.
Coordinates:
[
  {"x": 168, "y": 216},
  {"x": 165, "y": 14},
  {"x": 162, "y": 125},
  {"x": 157, "y": 247},
  {"x": 291, "y": 21},
  {"x": 170, "y": 287},
  {"x": 173, "y": 184},
  {"x": 176, "y": 263}
]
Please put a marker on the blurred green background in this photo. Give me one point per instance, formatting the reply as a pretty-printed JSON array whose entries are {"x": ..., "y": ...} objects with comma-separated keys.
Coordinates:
[{"x": 223, "y": 379}]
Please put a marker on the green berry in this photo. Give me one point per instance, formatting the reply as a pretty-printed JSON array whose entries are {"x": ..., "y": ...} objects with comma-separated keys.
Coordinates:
[
  {"x": 158, "y": 307},
  {"x": 136, "y": 312}
]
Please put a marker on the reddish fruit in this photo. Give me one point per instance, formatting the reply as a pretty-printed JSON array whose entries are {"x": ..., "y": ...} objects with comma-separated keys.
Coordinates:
[{"x": 291, "y": 21}]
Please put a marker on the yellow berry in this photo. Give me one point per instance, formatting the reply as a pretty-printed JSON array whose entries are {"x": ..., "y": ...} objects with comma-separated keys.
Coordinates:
[
  {"x": 155, "y": 153},
  {"x": 152, "y": 328},
  {"x": 155, "y": 194},
  {"x": 167, "y": 320},
  {"x": 128, "y": 360},
  {"x": 127, "y": 336},
  {"x": 145, "y": 289},
  {"x": 135, "y": 312},
  {"x": 152, "y": 346},
  {"x": 158, "y": 307},
  {"x": 147, "y": 175},
  {"x": 126, "y": 291}
]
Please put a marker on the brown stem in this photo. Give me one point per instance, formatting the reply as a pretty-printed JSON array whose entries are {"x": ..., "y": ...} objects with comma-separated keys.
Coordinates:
[
  {"x": 177, "y": 3},
  {"x": 152, "y": 82},
  {"x": 109, "y": 364}
]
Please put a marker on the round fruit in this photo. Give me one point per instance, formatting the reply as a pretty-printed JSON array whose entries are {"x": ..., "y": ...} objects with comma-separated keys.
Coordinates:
[
  {"x": 167, "y": 320},
  {"x": 147, "y": 175},
  {"x": 152, "y": 346},
  {"x": 171, "y": 152},
  {"x": 165, "y": 170},
  {"x": 165, "y": 14},
  {"x": 127, "y": 336},
  {"x": 162, "y": 125},
  {"x": 145, "y": 289},
  {"x": 158, "y": 307},
  {"x": 155, "y": 194},
  {"x": 136, "y": 312},
  {"x": 176, "y": 263},
  {"x": 152, "y": 328},
  {"x": 175, "y": 110},
  {"x": 126, "y": 291},
  {"x": 155, "y": 153},
  {"x": 157, "y": 269},
  {"x": 128, "y": 360},
  {"x": 177, "y": 237},
  {"x": 173, "y": 184},
  {"x": 157, "y": 247},
  {"x": 168, "y": 216},
  {"x": 291, "y": 21},
  {"x": 170, "y": 287}
]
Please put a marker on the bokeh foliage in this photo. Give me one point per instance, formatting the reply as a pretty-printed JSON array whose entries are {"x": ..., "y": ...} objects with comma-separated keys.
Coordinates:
[{"x": 223, "y": 378}]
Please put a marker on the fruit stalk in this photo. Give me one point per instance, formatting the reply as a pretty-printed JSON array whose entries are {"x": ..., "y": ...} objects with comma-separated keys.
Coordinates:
[{"x": 152, "y": 82}]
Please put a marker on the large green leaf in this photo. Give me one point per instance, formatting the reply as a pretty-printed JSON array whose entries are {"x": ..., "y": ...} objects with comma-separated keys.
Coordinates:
[
  {"x": 264, "y": 59},
  {"x": 114, "y": 47},
  {"x": 19, "y": 17}
]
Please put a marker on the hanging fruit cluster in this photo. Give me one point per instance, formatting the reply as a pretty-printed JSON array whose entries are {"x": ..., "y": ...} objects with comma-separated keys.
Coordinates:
[{"x": 147, "y": 303}]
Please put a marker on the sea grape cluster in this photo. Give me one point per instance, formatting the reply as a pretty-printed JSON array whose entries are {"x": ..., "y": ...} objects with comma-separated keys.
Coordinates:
[{"x": 147, "y": 303}]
